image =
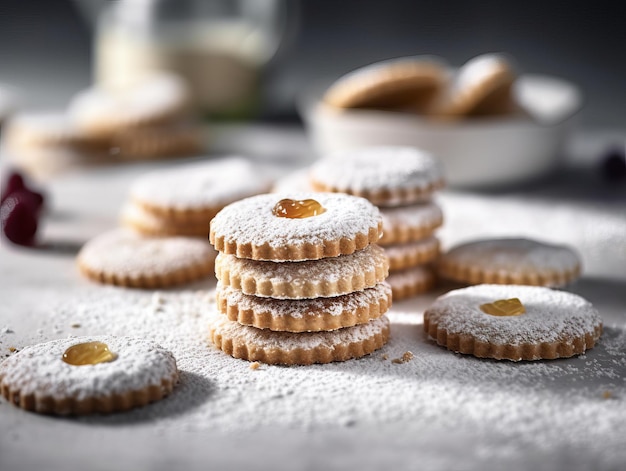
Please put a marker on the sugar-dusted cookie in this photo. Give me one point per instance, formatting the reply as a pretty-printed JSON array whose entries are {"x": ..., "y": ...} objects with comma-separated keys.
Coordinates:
[
  {"x": 296, "y": 226},
  {"x": 409, "y": 223},
  {"x": 325, "y": 277},
  {"x": 510, "y": 261},
  {"x": 156, "y": 99},
  {"x": 149, "y": 224},
  {"x": 411, "y": 281},
  {"x": 304, "y": 315},
  {"x": 84, "y": 375},
  {"x": 402, "y": 83},
  {"x": 387, "y": 176},
  {"x": 121, "y": 257},
  {"x": 511, "y": 322},
  {"x": 304, "y": 348},
  {"x": 196, "y": 192},
  {"x": 482, "y": 86},
  {"x": 410, "y": 254}
]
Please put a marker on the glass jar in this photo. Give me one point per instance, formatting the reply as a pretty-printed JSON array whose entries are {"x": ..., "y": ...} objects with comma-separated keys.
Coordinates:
[{"x": 218, "y": 46}]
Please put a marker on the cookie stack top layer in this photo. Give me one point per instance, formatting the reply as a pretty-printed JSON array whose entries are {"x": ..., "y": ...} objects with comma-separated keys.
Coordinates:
[
  {"x": 249, "y": 229},
  {"x": 386, "y": 176}
]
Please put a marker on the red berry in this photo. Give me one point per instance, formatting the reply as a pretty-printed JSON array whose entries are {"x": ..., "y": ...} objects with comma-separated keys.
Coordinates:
[
  {"x": 14, "y": 183},
  {"x": 18, "y": 214}
]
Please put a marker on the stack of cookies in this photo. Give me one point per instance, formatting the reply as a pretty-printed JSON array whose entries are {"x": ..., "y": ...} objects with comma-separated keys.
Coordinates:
[
  {"x": 166, "y": 224},
  {"x": 181, "y": 201},
  {"x": 146, "y": 121},
  {"x": 300, "y": 280},
  {"x": 401, "y": 181}
]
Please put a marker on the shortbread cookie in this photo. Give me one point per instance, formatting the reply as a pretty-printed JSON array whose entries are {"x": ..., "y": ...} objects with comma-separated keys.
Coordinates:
[
  {"x": 510, "y": 322},
  {"x": 387, "y": 176},
  {"x": 325, "y": 277},
  {"x": 482, "y": 87},
  {"x": 402, "y": 83},
  {"x": 261, "y": 228},
  {"x": 411, "y": 281},
  {"x": 410, "y": 223},
  {"x": 408, "y": 255},
  {"x": 155, "y": 100},
  {"x": 305, "y": 315},
  {"x": 510, "y": 261},
  {"x": 157, "y": 142},
  {"x": 121, "y": 257},
  {"x": 84, "y": 375},
  {"x": 195, "y": 193},
  {"x": 305, "y": 348},
  {"x": 149, "y": 224}
]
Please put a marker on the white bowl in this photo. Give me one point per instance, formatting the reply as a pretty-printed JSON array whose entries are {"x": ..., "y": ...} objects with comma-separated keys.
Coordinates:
[{"x": 476, "y": 151}]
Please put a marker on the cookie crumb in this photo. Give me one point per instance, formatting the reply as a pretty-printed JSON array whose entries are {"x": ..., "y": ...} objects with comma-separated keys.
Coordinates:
[
  {"x": 12, "y": 349},
  {"x": 255, "y": 365},
  {"x": 75, "y": 325},
  {"x": 406, "y": 357},
  {"x": 607, "y": 394},
  {"x": 385, "y": 357}
]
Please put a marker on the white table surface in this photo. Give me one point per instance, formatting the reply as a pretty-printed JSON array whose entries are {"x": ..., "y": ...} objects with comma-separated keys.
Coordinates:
[{"x": 547, "y": 415}]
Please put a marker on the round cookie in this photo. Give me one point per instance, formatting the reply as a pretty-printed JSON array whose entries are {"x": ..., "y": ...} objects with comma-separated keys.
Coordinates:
[
  {"x": 554, "y": 324},
  {"x": 325, "y": 277},
  {"x": 305, "y": 348},
  {"x": 408, "y": 255},
  {"x": 409, "y": 223},
  {"x": 387, "y": 176},
  {"x": 411, "y": 281},
  {"x": 402, "y": 83},
  {"x": 196, "y": 192},
  {"x": 482, "y": 87},
  {"x": 307, "y": 315},
  {"x": 121, "y": 257},
  {"x": 133, "y": 373},
  {"x": 510, "y": 261},
  {"x": 146, "y": 223},
  {"x": 156, "y": 99},
  {"x": 250, "y": 229}
]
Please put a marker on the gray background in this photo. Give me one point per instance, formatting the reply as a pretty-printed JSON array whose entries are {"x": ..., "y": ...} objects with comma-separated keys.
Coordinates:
[{"x": 45, "y": 45}]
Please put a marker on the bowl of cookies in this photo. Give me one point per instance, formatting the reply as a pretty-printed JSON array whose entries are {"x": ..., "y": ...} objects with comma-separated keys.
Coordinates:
[{"x": 488, "y": 124}]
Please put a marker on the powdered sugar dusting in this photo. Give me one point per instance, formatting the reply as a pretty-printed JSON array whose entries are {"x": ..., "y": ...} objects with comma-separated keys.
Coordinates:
[
  {"x": 40, "y": 368},
  {"x": 288, "y": 341},
  {"x": 508, "y": 408},
  {"x": 550, "y": 316},
  {"x": 378, "y": 168},
  {"x": 199, "y": 186},
  {"x": 250, "y": 221},
  {"x": 514, "y": 256},
  {"x": 334, "y": 306},
  {"x": 124, "y": 252}
]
